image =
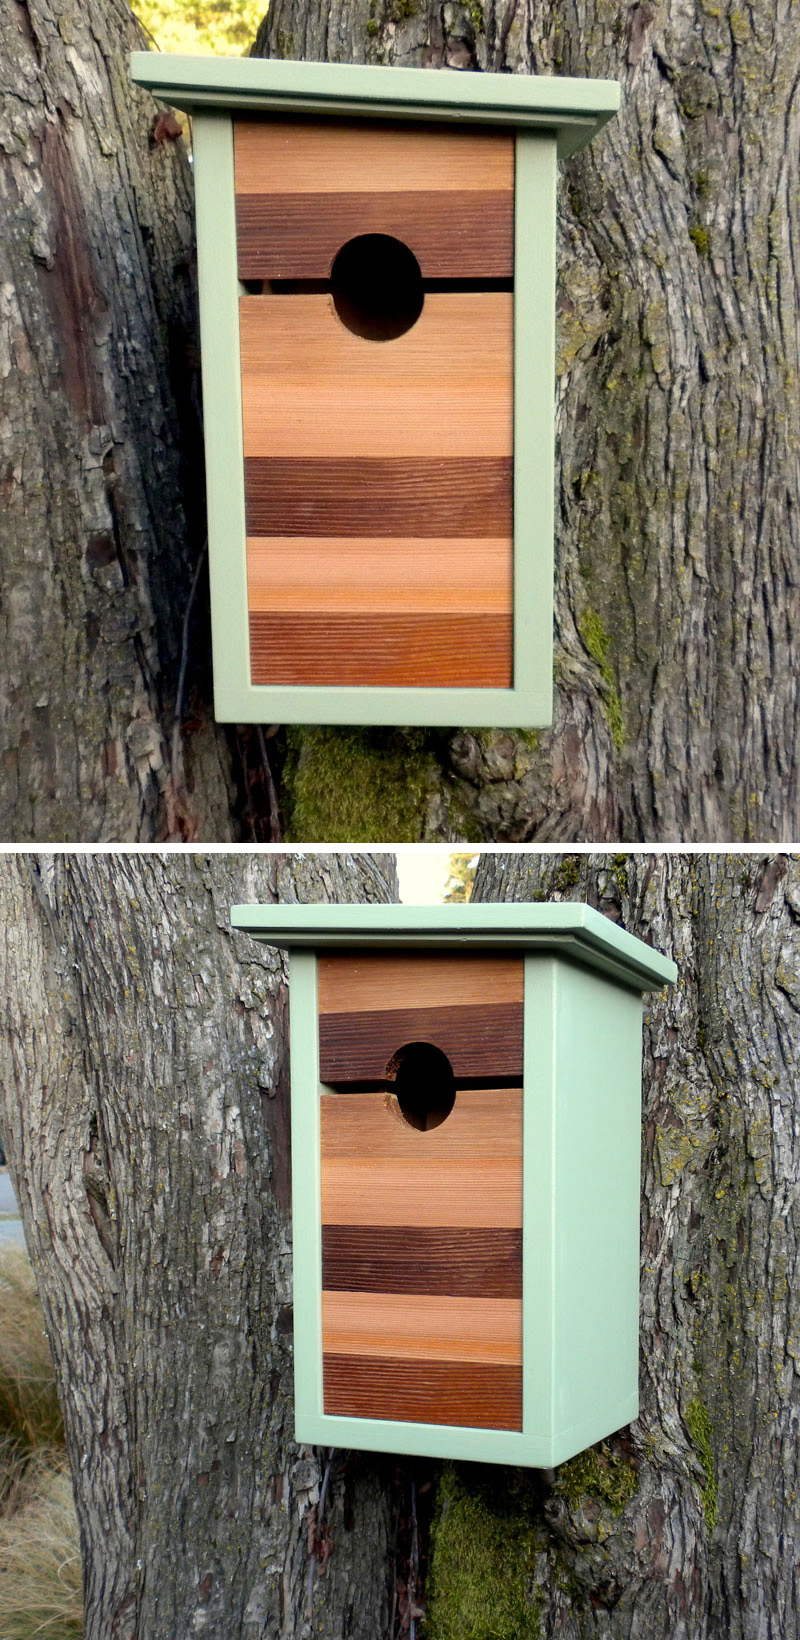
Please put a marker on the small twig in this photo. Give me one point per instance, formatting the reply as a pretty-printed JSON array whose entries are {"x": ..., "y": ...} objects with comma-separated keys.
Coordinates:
[
  {"x": 313, "y": 1555},
  {"x": 413, "y": 1565},
  {"x": 177, "y": 742},
  {"x": 274, "y": 813}
]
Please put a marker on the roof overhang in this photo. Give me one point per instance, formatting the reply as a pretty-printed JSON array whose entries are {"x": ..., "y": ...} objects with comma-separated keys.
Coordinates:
[{"x": 574, "y": 110}]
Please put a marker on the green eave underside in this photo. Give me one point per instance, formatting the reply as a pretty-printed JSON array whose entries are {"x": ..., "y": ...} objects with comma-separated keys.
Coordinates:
[
  {"x": 573, "y": 931},
  {"x": 573, "y": 109}
]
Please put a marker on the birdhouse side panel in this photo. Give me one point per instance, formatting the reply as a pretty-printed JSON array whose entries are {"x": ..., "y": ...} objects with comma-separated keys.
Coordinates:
[{"x": 421, "y": 1230}]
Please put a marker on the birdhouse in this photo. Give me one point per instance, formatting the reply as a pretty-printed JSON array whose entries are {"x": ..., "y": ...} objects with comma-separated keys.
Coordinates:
[
  {"x": 376, "y": 253},
  {"x": 466, "y": 1095}
]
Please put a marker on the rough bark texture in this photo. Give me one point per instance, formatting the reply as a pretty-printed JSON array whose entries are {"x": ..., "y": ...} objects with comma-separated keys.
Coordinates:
[
  {"x": 676, "y": 704},
  {"x": 100, "y": 454},
  {"x": 143, "y": 1100},
  {"x": 687, "y": 1525}
]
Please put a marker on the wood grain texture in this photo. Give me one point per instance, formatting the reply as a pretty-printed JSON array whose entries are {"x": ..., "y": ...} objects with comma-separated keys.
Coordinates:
[
  {"x": 484, "y": 1122},
  {"x": 453, "y": 1193},
  {"x": 467, "y": 235},
  {"x": 310, "y": 387},
  {"x": 480, "y": 1041},
  {"x": 380, "y": 1258},
  {"x": 368, "y": 498},
  {"x": 311, "y": 574},
  {"x": 434, "y": 651},
  {"x": 294, "y": 156},
  {"x": 360, "y": 981},
  {"x": 430, "y": 1392},
  {"x": 429, "y": 1327}
]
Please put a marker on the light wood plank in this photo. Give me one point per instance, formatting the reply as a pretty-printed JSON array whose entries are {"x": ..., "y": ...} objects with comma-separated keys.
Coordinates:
[
  {"x": 330, "y": 156},
  {"x": 360, "y": 982},
  {"x": 451, "y": 1192},
  {"x": 423, "y": 1327},
  {"x": 322, "y": 573},
  {"x": 311, "y": 388},
  {"x": 484, "y": 1122}
]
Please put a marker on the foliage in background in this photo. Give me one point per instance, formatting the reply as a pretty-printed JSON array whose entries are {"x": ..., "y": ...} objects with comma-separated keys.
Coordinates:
[
  {"x": 227, "y": 27},
  {"x": 40, "y": 1561},
  {"x": 458, "y": 887}
]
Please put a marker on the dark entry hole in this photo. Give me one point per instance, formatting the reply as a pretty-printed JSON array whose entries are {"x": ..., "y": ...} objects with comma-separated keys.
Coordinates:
[
  {"x": 424, "y": 1084},
  {"x": 376, "y": 286}
]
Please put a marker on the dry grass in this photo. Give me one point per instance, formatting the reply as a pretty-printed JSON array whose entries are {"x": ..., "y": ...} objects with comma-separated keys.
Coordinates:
[
  {"x": 40, "y": 1563},
  {"x": 29, "y": 1410}
]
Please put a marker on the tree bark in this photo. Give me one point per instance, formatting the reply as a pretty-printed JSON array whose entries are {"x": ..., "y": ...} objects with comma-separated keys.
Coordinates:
[
  {"x": 687, "y": 1525},
  {"x": 144, "y": 1101},
  {"x": 100, "y": 448},
  {"x": 678, "y": 399}
]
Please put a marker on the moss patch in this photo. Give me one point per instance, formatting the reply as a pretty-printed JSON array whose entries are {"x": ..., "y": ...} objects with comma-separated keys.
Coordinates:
[
  {"x": 698, "y": 1424},
  {"x": 484, "y": 1545},
  {"x": 597, "y": 1473},
  {"x": 353, "y": 785},
  {"x": 597, "y": 642}
]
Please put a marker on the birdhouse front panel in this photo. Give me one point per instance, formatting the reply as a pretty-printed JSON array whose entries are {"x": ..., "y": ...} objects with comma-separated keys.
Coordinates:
[
  {"x": 377, "y": 389},
  {"x": 420, "y": 1061}
]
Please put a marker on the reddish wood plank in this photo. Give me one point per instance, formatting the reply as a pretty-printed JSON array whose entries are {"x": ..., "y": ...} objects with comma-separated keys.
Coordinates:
[
  {"x": 434, "y": 651},
  {"x": 463, "y": 1393},
  {"x": 371, "y": 497},
  {"x": 301, "y": 155},
  {"x": 453, "y": 235},
  {"x": 484, "y": 1123},
  {"x": 361, "y": 981},
  {"x": 378, "y": 1258},
  {"x": 483, "y": 1041}
]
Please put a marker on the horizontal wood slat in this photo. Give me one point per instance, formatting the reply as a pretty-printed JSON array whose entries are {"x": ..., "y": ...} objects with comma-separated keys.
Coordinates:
[
  {"x": 433, "y": 651},
  {"x": 484, "y": 1122},
  {"x": 464, "y": 235},
  {"x": 370, "y": 498},
  {"x": 292, "y": 156},
  {"x": 362, "y": 981},
  {"x": 453, "y": 1193},
  {"x": 432, "y": 1328},
  {"x": 312, "y": 574},
  {"x": 480, "y": 1041},
  {"x": 382, "y": 1259},
  {"x": 463, "y": 1393}
]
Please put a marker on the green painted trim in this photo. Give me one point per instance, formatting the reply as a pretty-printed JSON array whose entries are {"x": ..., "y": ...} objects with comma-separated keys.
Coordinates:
[
  {"x": 534, "y": 393},
  {"x": 306, "y": 1201},
  {"x": 573, "y": 929},
  {"x": 218, "y": 277},
  {"x": 424, "y": 708},
  {"x": 575, "y": 109},
  {"x": 538, "y": 1198}
]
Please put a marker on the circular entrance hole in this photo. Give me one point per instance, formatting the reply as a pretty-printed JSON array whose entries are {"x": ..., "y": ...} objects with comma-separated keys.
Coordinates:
[
  {"x": 424, "y": 1084},
  {"x": 376, "y": 286}
]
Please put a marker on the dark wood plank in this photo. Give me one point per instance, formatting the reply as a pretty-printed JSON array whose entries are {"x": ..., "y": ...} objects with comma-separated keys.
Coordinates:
[
  {"x": 377, "y": 1258},
  {"x": 466, "y": 234},
  {"x": 415, "y": 651},
  {"x": 479, "y": 1041},
  {"x": 378, "y": 496},
  {"x": 466, "y": 1393}
]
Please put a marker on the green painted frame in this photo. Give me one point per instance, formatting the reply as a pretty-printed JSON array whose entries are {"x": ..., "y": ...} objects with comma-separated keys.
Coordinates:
[
  {"x": 574, "y": 958},
  {"x": 552, "y": 117}
]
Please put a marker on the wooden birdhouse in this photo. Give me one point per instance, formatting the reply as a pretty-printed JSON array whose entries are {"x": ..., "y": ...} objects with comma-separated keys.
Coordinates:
[
  {"x": 466, "y": 1094},
  {"x": 376, "y": 255}
]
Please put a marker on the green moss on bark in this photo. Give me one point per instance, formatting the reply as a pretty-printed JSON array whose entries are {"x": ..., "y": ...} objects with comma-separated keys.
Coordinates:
[
  {"x": 484, "y": 1545},
  {"x": 597, "y": 642},
  {"x": 597, "y": 1473},
  {"x": 698, "y": 1424},
  {"x": 357, "y": 785}
]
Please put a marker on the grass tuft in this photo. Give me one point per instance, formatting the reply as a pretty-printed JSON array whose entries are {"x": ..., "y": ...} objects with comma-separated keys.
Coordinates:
[{"x": 29, "y": 1409}]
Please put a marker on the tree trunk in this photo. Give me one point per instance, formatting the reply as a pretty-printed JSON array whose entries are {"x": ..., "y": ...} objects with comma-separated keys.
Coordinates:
[
  {"x": 678, "y": 533},
  {"x": 687, "y": 1525},
  {"x": 144, "y": 1108},
  {"x": 100, "y": 453}
]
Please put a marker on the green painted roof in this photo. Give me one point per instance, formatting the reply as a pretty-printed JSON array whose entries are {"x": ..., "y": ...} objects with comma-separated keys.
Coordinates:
[
  {"x": 575, "y": 931},
  {"x": 574, "y": 109}
]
